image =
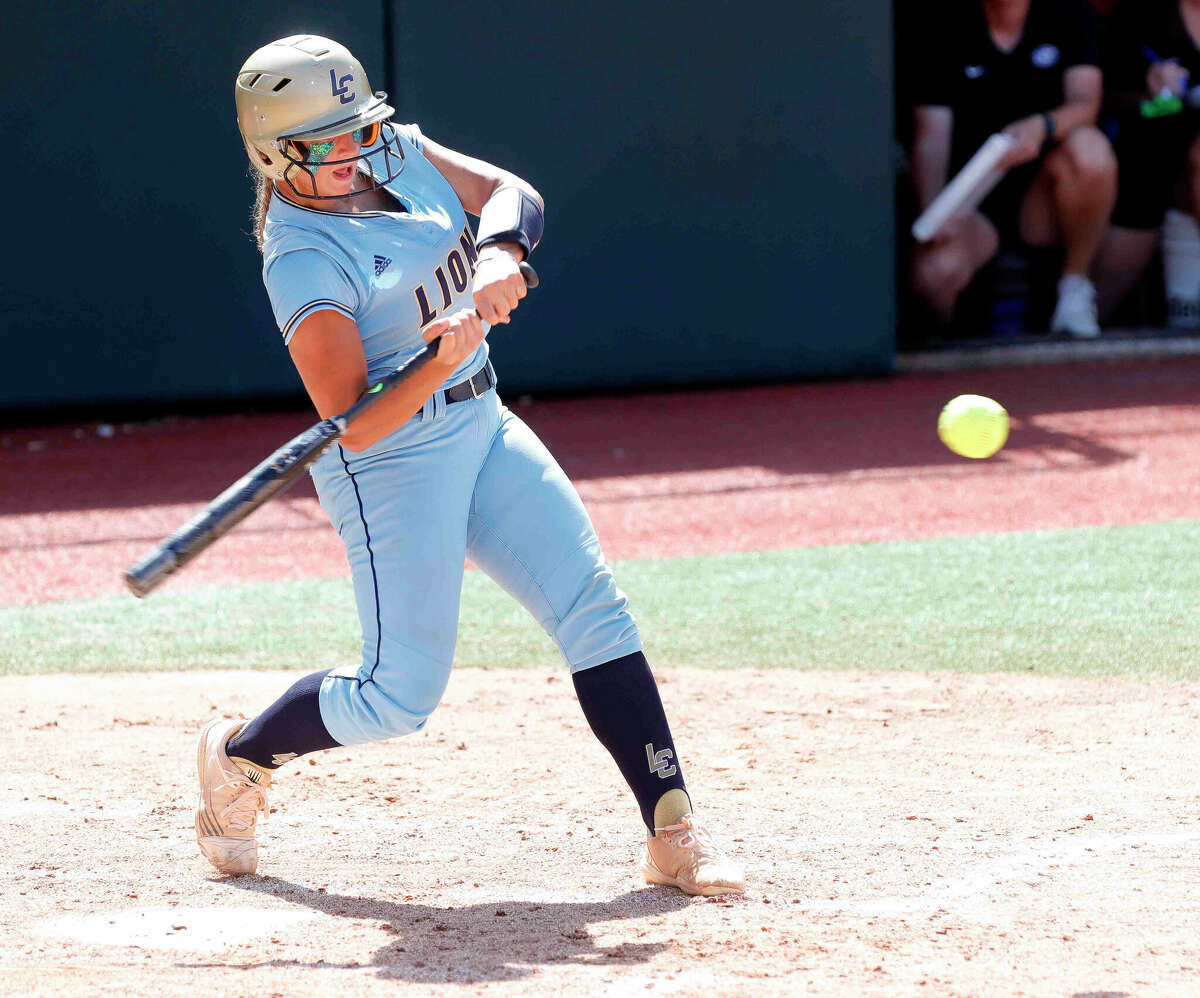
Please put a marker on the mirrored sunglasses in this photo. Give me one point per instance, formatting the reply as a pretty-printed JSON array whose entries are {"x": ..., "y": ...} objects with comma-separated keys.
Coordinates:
[{"x": 318, "y": 152}]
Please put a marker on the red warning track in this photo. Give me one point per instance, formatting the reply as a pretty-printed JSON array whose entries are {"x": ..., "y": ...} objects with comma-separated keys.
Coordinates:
[{"x": 679, "y": 473}]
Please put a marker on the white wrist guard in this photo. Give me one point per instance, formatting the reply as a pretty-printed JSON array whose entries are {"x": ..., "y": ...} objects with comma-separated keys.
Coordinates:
[{"x": 510, "y": 216}]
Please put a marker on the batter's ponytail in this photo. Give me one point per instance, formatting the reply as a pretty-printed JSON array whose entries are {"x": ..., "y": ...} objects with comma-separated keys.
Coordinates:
[{"x": 262, "y": 200}]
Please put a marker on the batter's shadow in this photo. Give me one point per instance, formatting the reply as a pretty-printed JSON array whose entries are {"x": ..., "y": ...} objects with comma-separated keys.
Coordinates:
[{"x": 496, "y": 941}]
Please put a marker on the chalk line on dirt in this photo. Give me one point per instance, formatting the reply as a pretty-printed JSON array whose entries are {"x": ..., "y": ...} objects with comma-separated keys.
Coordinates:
[
  {"x": 178, "y": 928},
  {"x": 1019, "y": 865}
]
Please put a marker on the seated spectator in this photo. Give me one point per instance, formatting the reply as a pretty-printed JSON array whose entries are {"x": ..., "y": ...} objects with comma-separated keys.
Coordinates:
[
  {"x": 1029, "y": 68},
  {"x": 1152, "y": 67}
]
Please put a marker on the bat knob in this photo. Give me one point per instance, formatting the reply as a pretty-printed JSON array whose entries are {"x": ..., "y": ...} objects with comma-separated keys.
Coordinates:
[{"x": 530, "y": 275}]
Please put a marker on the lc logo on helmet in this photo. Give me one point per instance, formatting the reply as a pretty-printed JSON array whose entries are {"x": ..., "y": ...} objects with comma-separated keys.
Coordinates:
[{"x": 340, "y": 90}]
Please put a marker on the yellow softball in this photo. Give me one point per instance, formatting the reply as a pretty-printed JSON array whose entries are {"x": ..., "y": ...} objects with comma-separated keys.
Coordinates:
[{"x": 973, "y": 425}]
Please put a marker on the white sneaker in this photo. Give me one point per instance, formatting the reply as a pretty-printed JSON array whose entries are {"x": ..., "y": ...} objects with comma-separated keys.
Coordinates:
[{"x": 1075, "y": 312}]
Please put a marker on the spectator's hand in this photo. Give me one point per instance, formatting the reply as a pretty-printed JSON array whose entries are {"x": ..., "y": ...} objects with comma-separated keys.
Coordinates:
[
  {"x": 1166, "y": 76},
  {"x": 1030, "y": 134},
  {"x": 949, "y": 230}
]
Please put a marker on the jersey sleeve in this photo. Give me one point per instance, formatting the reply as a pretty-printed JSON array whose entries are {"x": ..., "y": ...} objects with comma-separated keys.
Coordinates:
[
  {"x": 303, "y": 281},
  {"x": 412, "y": 135}
]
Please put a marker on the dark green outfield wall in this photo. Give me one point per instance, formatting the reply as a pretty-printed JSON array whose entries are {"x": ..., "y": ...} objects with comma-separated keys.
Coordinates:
[
  {"x": 717, "y": 178},
  {"x": 128, "y": 198}
]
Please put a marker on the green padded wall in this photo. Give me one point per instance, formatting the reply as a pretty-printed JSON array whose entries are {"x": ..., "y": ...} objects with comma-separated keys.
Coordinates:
[
  {"x": 718, "y": 180},
  {"x": 136, "y": 279}
]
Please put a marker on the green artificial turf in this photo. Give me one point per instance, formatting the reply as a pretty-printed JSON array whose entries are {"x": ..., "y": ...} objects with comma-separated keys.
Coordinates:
[{"x": 1115, "y": 601}]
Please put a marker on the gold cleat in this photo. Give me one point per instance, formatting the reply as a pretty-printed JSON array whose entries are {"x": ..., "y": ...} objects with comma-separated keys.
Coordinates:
[
  {"x": 231, "y": 795},
  {"x": 684, "y": 855}
]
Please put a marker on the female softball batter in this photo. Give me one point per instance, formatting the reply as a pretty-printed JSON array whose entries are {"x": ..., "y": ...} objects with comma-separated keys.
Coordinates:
[{"x": 368, "y": 256}]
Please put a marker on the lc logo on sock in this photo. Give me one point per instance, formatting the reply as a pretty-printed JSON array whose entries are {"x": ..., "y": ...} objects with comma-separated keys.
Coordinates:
[{"x": 660, "y": 761}]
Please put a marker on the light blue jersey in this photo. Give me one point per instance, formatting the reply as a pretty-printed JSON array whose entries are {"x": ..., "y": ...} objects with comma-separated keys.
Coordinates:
[
  {"x": 458, "y": 480},
  {"x": 392, "y": 272}
]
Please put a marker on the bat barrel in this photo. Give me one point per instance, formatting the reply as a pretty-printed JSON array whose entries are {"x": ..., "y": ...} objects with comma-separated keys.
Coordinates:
[
  {"x": 270, "y": 477},
  {"x": 150, "y": 571},
  {"x": 232, "y": 506}
]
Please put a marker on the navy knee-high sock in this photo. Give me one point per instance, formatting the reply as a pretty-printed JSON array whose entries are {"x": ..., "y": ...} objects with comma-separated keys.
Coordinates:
[
  {"x": 290, "y": 727},
  {"x": 621, "y": 703}
]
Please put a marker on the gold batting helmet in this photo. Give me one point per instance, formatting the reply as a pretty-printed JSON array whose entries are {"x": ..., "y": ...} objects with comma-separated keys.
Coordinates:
[{"x": 309, "y": 89}]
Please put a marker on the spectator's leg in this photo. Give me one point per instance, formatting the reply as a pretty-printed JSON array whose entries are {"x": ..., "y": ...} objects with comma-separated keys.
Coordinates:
[
  {"x": 941, "y": 270},
  {"x": 1157, "y": 162},
  {"x": 1122, "y": 259},
  {"x": 1072, "y": 198},
  {"x": 1070, "y": 203},
  {"x": 1193, "y": 173}
]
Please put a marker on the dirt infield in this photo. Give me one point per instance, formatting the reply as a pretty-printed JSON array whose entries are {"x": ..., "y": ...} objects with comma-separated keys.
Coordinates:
[
  {"x": 903, "y": 834},
  {"x": 942, "y": 835}
]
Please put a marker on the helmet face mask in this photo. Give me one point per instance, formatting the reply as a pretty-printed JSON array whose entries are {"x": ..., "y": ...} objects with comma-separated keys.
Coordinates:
[
  {"x": 307, "y": 89},
  {"x": 382, "y": 163}
]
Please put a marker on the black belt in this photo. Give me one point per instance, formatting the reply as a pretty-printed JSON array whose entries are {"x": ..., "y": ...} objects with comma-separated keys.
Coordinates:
[{"x": 474, "y": 387}]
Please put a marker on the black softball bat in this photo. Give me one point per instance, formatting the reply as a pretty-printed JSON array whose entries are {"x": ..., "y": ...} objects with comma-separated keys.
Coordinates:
[{"x": 269, "y": 478}]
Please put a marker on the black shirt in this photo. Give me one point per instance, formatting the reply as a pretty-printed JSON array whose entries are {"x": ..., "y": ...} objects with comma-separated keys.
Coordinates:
[
  {"x": 961, "y": 68},
  {"x": 1138, "y": 25}
]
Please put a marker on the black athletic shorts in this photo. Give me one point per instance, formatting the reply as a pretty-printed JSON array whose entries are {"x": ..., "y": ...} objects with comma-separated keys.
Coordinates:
[
  {"x": 1152, "y": 154},
  {"x": 1002, "y": 207}
]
